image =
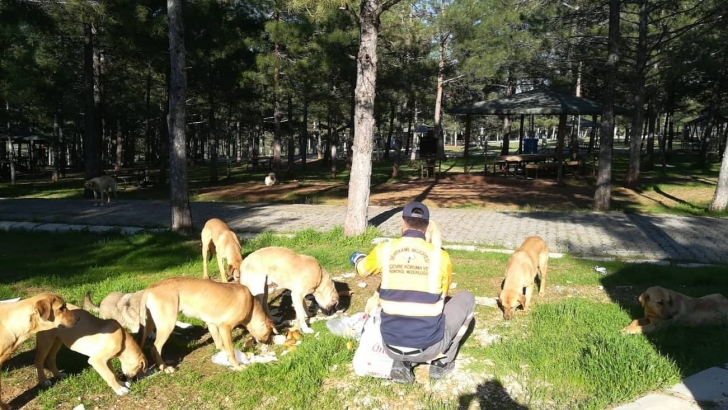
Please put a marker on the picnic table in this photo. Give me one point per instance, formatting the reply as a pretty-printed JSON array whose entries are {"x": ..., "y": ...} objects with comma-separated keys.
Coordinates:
[
  {"x": 526, "y": 162},
  {"x": 138, "y": 176}
]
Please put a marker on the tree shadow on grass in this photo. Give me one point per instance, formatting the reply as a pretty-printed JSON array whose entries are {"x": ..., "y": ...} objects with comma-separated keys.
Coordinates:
[{"x": 490, "y": 395}]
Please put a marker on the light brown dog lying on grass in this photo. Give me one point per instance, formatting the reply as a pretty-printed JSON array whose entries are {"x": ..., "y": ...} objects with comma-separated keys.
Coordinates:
[
  {"x": 664, "y": 306},
  {"x": 433, "y": 236},
  {"x": 122, "y": 307},
  {"x": 529, "y": 259},
  {"x": 221, "y": 305},
  {"x": 99, "y": 339},
  {"x": 301, "y": 274},
  {"x": 19, "y": 320},
  {"x": 218, "y": 238}
]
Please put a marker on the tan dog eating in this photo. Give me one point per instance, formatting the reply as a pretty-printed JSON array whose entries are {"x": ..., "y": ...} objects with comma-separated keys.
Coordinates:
[
  {"x": 218, "y": 238},
  {"x": 222, "y": 306},
  {"x": 530, "y": 259},
  {"x": 664, "y": 306},
  {"x": 301, "y": 274},
  {"x": 99, "y": 339},
  {"x": 19, "y": 320},
  {"x": 122, "y": 307}
]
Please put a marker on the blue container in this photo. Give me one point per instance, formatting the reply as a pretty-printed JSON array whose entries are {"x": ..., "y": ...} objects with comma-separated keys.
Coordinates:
[{"x": 532, "y": 144}]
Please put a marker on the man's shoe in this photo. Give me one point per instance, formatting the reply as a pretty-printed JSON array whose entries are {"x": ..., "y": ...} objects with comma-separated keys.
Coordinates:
[
  {"x": 438, "y": 369},
  {"x": 402, "y": 372}
]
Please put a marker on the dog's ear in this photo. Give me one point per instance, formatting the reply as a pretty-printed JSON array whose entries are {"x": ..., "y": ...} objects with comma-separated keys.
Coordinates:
[
  {"x": 44, "y": 308},
  {"x": 644, "y": 298}
]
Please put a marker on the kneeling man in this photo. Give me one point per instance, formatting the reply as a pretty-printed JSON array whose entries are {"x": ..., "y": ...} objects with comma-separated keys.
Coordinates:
[{"x": 417, "y": 325}]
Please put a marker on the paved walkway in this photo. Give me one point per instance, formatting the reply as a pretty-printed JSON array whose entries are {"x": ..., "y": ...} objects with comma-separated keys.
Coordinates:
[
  {"x": 659, "y": 237},
  {"x": 630, "y": 236}
]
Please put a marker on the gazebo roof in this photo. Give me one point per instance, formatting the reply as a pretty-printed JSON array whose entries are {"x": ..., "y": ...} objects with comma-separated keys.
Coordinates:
[
  {"x": 541, "y": 101},
  {"x": 704, "y": 118}
]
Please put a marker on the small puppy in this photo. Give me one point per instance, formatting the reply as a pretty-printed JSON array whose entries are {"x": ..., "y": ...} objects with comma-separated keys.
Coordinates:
[
  {"x": 99, "y": 339},
  {"x": 433, "y": 236},
  {"x": 664, "y": 306},
  {"x": 529, "y": 259},
  {"x": 122, "y": 307},
  {"x": 270, "y": 180},
  {"x": 301, "y": 274},
  {"x": 221, "y": 305},
  {"x": 218, "y": 238},
  {"x": 102, "y": 184},
  {"x": 19, "y": 320}
]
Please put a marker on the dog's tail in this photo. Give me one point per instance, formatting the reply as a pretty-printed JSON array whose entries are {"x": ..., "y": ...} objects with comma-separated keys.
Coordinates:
[
  {"x": 88, "y": 304},
  {"x": 141, "y": 335}
]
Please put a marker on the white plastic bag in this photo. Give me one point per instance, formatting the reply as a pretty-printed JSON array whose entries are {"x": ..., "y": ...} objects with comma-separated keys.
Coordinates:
[{"x": 370, "y": 358}]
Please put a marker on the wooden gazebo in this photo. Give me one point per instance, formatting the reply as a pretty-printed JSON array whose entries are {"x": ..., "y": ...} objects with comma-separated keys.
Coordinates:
[{"x": 540, "y": 101}]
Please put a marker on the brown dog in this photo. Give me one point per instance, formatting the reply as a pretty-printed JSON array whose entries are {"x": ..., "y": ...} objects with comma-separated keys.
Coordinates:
[
  {"x": 122, "y": 307},
  {"x": 99, "y": 339},
  {"x": 301, "y": 274},
  {"x": 433, "y": 236},
  {"x": 19, "y": 320},
  {"x": 102, "y": 184},
  {"x": 664, "y": 306},
  {"x": 221, "y": 305},
  {"x": 529, "y": 259},
  {"x": 218, "y": 238}
]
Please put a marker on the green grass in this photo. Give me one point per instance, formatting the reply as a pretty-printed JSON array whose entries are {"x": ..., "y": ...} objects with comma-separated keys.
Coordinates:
[{"x": 567, "y": 353}]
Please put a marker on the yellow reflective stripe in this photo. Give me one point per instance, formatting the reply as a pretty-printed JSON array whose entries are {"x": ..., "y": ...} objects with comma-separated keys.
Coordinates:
[
  {"x": 412, "y": 309},
  {"x": 434, "y": 274},
  {"x": 384, "y": 261}
]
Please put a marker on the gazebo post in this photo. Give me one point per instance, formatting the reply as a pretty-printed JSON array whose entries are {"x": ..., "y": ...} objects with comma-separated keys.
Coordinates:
[
  {"x": 560, "y": 148},
  {"x": 520, "y": 136},
  {"x": 468, "y": 120},
  {"x": 592, "y": 137}
]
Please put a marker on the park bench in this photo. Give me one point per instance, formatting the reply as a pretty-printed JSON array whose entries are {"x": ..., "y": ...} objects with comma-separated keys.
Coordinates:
[
  {"x": 496, "y": 166},
  {"x": 137, "y": 176},
  {"x": 539, "y": 166}
]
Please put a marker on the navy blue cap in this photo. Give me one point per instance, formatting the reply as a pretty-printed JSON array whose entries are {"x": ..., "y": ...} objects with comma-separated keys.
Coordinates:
[{"x": 416, "y": 210}]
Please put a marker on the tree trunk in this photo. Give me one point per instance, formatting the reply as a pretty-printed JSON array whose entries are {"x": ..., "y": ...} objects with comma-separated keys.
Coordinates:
[
  {"x": 147, "y": 130},
  {"x": 635, "y": 146},
  {"x": 212, "y": 131},
  {"x": 663, "y": 142},
  {"x": 92, "y": 166},
  {"x": 276, "y": 106},
  {"x": 57, "y": 135},
  {"x": 466, "y": 140},
  {"x": 560, "y": 149},
  {"x": 119, "y": 145},
  {"x": 291, "y": 145},
  {"x": 303, "y": 139},
  {"x": 720, "y": 197},
  {"x": 391, "y": 130},
  {"x": 712, "y": 121},
  {"x": 602, "y": 196},
  {"x": 181, "y": 214},
  {"x": 102, "y": 154},
  {"x": 440, "y": 78},
  {"x": 510, "y": 90},
  {"x": 355, "y": 222}
]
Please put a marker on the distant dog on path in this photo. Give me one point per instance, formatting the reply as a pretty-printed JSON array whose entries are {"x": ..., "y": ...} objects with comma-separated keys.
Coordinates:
[
  {"x": 102, "y": 184},
  {"x": 270, "y": 180}
]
